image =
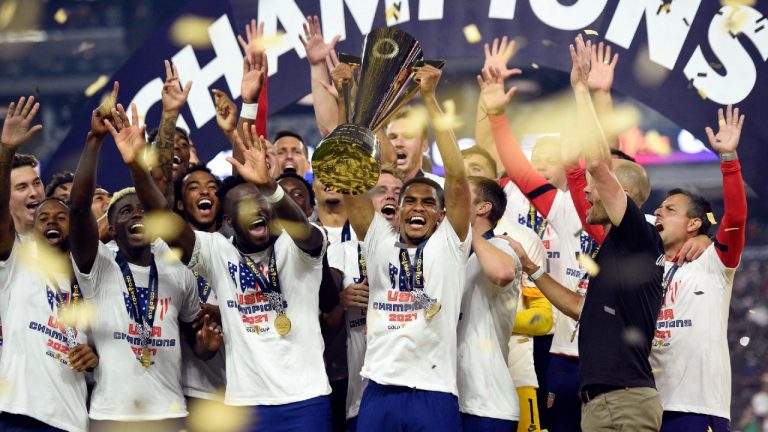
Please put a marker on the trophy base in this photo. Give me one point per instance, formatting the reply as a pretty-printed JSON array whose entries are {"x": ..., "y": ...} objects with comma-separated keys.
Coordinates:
[{"x": 346, "y": 161}]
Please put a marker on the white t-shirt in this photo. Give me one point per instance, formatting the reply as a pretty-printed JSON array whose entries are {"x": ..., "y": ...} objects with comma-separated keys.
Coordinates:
[
  {"x": 564, "y": 219},
  {"x": 34, "y": 369},
  {"x": 404, "y": 348},
  {"x": 689, "y": 353},
  {"x": 344, "y": 257},
  {"x": 125, "y": 390},
  {"x": 264, "y": 368},
  {"x": 519, "y": 210},
  {"x": 486, "y": 388},
  {"x": 520, "y": 357},
  {"x": 200, "y": 378}
]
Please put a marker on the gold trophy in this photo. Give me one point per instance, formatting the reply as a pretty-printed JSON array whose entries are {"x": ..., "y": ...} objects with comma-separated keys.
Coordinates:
[{"x": 348, "y": 160}]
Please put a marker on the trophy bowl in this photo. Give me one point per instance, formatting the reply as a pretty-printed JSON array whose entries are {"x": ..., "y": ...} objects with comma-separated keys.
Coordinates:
[{"x": 347, "y": 160}]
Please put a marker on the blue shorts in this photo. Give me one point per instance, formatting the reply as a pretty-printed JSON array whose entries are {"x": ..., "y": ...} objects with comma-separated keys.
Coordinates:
[
  {"x": 20, "y": 423},
  {"x": 674, "y": 421},
  {"x": 473, "y": 423},
  {"x": 352, "y": 424},
  {"x": 311, "y": 414},
  {"x": 393, "y": 408},
  {"x": 563, "y": 403},
  {"x": 541, "y": 356}
]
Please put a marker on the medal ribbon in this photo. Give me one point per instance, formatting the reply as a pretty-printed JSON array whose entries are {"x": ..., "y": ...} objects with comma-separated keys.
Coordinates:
[
  {"x": 144, "y": 322},
  {"x": 203, "y": 288},
  {"x": 668, "y": 279},
  {"x": 346, "y": 232},
  {"x": 414, "y": 276},
  {"x": 53, "y": 291},
  {"x": 269, "y": 286},
  {"x": 362, "y": 267},
  {"x": 541, "y": 229}
]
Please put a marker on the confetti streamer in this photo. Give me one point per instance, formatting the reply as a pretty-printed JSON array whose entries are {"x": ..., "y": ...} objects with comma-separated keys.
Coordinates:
[
  {"x": 191, "y": 30},
  {"x": 591, "y": 32},
  {"x": 711, "y": 218},
  {"x": 589, "y": 264},
  {"x": 472, "y": 34},
  {"x": 100, "y": 82},
  {"x": 161, "y": 224},
  {"x": 60, "y": 16}
]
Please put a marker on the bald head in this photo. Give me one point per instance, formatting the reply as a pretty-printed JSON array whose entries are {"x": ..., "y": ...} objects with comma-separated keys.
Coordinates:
[{"x": 633, "y": 179}]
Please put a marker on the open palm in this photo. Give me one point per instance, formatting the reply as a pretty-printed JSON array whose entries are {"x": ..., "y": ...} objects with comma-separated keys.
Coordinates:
[
  {"x": 128, "y": 135},
  {"x": 498, "y": 56},
  {"x": 314, "y": 44},
  {"x": 254, "y": 150},
  {"x": 727, "y": 138},
  {"x": 17, "y": 127},
  {"x": 492, "y": 93},
  {"x": 173, "y": 96}
]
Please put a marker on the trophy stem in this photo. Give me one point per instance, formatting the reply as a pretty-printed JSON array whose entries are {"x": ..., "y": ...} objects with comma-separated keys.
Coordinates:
[{"x": 347, "y": 92}]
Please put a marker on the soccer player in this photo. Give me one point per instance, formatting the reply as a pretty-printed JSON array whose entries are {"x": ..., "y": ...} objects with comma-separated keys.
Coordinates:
[
  {"x": 416, "y": 280},
  {"x": 691, "y": 331}
]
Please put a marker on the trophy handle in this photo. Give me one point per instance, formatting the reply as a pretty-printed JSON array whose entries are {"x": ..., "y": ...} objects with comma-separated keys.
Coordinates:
[{"x": 347, "y": 91}]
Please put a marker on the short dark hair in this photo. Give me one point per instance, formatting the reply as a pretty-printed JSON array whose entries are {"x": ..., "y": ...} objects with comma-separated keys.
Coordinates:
[
  {"x": 153, "y": 134},
  {"x": 178, "y": 185},
  {"x": 39, "y": 206},
  {"x": 57, "y": 180},
  {"x": 227, "y": 185},
  {"x": 489, "y": 191},
  {"x": 618, "y": 154},
  {"x": 477, "y": 150},
  {"x": 22, "y": 160},
  {"x": 698, "y": 208},
  {"x": 291, "y": 173},
  {"x": 428, "y": 182},
  {"x": 116, "y": 198},
  {"x": 287, "y": 133}
]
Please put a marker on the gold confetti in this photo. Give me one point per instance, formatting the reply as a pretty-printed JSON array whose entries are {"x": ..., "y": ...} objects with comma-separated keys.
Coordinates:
[
  {"x": 711, "y": 218},
  {"x": 535, "y": 65},
  {"x": 735, "y": 20},
  {"x": 82, "y": 315},
  {"x": 162, "y": 224},
  {"x": 666, "y": 7},
  {"x": 737, "y": 3},
  {"x": 548, "y": 43},
  {"x": 191, "y": 30},
  {"x": 472, "y": 34},
  {"x": 45, "y": 259},
  {"x": 647, "y": 72},
  {"x": 522, "y": 340},
  {"x": 60, "y": 16},
  {"x": 709, "y": 428},
  {"x": 702, "y": 93},
  {"x": 622, "y": 118},
  {"x": 7, "y": 12},
  {"x": 107, "y": 104},
  {"x": 266, "y": 42},
  {"x": 392, "y": 14},
  {"x": 752, "y": 311},
  {"x": 100, "y": 82},
  {"x": 175, "y": 407},
  {"x": 591, "y": 32},
  {"x": 173, "y": 255},
  {"x": 449, "y": 119},
  {"x": 589, "y": 264},
  {"x": 148, "y": 157}
]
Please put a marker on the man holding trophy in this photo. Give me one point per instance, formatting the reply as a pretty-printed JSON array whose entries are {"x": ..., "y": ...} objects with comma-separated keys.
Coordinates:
[{"x": 415, "y": 276}]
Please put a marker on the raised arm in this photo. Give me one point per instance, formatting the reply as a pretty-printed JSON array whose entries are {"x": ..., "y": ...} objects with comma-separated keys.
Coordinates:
[
  {"x": 254, "y": 78},
  {"x": 17, "y": 129},
  {"x": 601, "y": 80},
  {"x": 595, "y": 146},
  {"x": 519, "y": 169},
  {"x": 307, "y": 237},
  {"x": 83, "y": 229},
  {"x": 730, "y": 235},
  {"x": 174, "y": 98},
  {"x": 496, "y": 56},
  {"x": 457, "y": 195},
  {"x": 226, "y": 114},
  {"x": 498, "y": 266},
  {"x": 317, "y": 50},
  {"x": 129, "y": 138}
]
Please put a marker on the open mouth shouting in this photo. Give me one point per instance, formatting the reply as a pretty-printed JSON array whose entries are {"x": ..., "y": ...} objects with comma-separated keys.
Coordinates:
[
  {"x": 176, "y": 162},
  {"x": 416, "y": 222},
  {"x": 32, "y": 206},
  {"x": 389, "y": 211},
  {"x": 258, "y": 227},
  {"x": 136, "y": 231},
  {"x": 53, "y": 236},
  {"x": 401, "y": 157},
  {"x": 205, "y": 206}
]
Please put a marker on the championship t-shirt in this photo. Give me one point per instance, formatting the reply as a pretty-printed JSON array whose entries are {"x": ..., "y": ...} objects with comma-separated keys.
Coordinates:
[
  {"x": 574, "y": 241},
  {"x": 405, "y": 348},
  {"x": 36, "y": 377},
  {"x": 340, "y": 234},
  {"x": 264, "y": 368},
  {"x": 487, "y": 317},
  {"x": 618, "y": 319},
  {"x": 689, "y": 355},
  {"x": 126, "y": 390},
  {"x": 345, "y": 257},
  {"x": 203, "y": 379}
]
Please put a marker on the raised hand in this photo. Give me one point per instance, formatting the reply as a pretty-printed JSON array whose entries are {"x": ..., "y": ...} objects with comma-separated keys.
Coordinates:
[
  {"x": 499, "y": 55},
  {"x": 104, "y": 113},
  {"x": 355, "y": 295},
  {"x": 254, "y": 73},
  {"x": 341, "y": 73},
  {"x": 18, "y": 128},
  {"x": 174, "y": 97},
  {"x": 332, "y": 61},
  {"x": 580, "y": 57},
  {"x": 253, "y": 38},
  {"x": 603, "y": 66},
  {"x": 209, "y": 336},
  {"x": 727, "y": 138},
  {"x": 428, "y": 76},
  {"x": 226, "y": 111},
  {"x": 317, "y": 49},
  {"x": 492, "y": 90},
  {"x": 128, "y": 135},
  {"x": 82, "y": 357},
  {"x": 254, "y": 151}
]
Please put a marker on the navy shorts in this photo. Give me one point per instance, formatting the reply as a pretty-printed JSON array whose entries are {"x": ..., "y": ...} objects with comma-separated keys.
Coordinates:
[
  {"x": 674, "y": 421},
  {"x": 475, "y": 423},
  {"x": 21, "y": 423},
  {"x": 311, "y": 414},
  {"x": 391, "y": 408},
  {"x": 563, "y": 403}
]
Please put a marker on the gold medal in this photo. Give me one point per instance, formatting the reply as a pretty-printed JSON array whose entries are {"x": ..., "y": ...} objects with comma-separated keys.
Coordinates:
[
  {"x": 432, "y": 310},
  {"x": 282, "y": 325},
  {"x": 145, "y": 357}
]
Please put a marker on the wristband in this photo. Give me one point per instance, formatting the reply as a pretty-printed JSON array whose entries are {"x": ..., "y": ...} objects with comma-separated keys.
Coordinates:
[
  {"x": 728, "y": 156},
  {"x": 276, "y": 196},
  {"x": 248, "y": 111},
  {"x": 537, "y": 274}
]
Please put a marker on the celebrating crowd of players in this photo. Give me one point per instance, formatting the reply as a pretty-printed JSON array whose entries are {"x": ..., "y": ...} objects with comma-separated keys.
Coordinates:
[{"x": 509, "y": 295}]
